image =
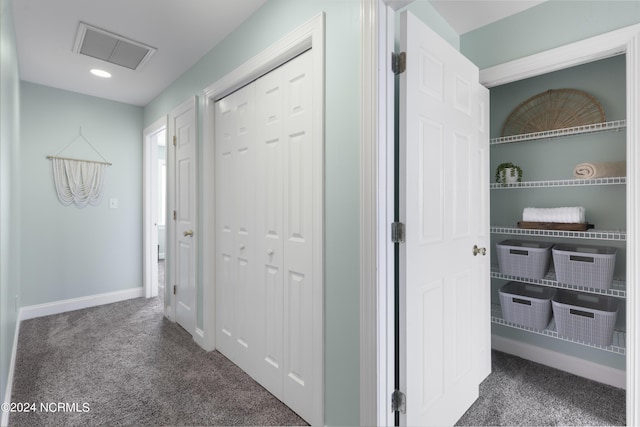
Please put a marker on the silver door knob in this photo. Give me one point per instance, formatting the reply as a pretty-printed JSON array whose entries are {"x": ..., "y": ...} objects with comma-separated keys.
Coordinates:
[
  {"x": 270, "y": 252},
  {"x": 477, "y": 250},
  {"x": 188, "y": 233}
]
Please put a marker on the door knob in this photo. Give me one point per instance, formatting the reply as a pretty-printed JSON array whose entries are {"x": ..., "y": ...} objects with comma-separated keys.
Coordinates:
[
  {"x": 270, "y": 252},
  {"x": 477, "y": 250},
  {"x": 188, "y": 233}
]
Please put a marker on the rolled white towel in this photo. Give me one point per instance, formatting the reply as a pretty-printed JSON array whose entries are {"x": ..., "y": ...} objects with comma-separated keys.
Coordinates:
[
  {"x": 600, "y": 170},
  {"x": 575, "y": 214}
]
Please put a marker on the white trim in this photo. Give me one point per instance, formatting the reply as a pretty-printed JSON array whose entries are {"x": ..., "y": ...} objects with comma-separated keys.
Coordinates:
[
  {"x": 627, "y": 41},
  {"x": 63, "y": 306},
  {"x": 168, "y": 309},
  {"x": 386, "y": 212},
  {"x": 368, "y": 139},
  {"x": 149, "y": 208},
  {"x": 198, "y": 337},
  {"x": 208, "y": 339},
  {"x": 581, "y": 52},
  {"x": 4, "y": 421},
  {"x": 633, "y": 227},
  {"x": 298, "y": 41},
  {"x": 308, "y": 35},
  {"x": 573, "y": 365},
  {"x": 376, "y": 213}
]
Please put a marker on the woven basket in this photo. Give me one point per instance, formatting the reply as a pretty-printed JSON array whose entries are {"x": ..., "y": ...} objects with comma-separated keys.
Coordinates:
[{"x": 554, "y": 109}]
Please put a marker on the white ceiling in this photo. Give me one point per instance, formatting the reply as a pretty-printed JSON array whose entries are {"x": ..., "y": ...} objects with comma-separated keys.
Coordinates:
[
  {"x": 468, "y": 15},
  {"x": 182, "y": 31}
]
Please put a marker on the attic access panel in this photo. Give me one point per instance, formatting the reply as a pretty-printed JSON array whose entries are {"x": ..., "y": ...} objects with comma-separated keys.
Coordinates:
[{"x": 112, "y": 48}]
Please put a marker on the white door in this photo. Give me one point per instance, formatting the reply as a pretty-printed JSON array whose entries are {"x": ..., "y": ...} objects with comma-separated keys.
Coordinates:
[
  {"x": 184, "y": 127},
  {"x": 224, "y": 220},
  {"x": 235, "y": 218},
  {"x": 444, "y": 307},
  {"x": 270, "y": 246},
  {"x": 265, "y": 219},
  {"x": 298, "y": 235}
]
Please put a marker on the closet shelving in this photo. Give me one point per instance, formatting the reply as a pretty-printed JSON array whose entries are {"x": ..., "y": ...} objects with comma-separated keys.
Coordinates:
[
  {"x": 618, "y": 288},
  {"x": 548, "y": 134},
  {"x": 560, "y": 183},
  {"x": 619, "y": 337},
  {"x": 616, "y": 235}
]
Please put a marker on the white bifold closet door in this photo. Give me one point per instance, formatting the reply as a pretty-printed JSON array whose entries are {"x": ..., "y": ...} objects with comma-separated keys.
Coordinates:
[
  {"x": 236, "y": 275},
  {"x": 264, "y": 225}
]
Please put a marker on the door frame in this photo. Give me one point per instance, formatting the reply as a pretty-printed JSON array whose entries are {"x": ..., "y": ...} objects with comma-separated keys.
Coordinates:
[
  {"x": 149, "y": 206},
  {"x": 623, "y": 41},
  {"x": 376, "y": 187},
  {"x": 377, "y": 195},
  {"x": 377, "y": 335},
  {"x": 310, "y": 35}
]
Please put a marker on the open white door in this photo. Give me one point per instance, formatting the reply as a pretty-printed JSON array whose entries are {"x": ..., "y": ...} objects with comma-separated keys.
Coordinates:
[
  {"x": 184, "y": 137},
  {"x": 444, "y": 282}
]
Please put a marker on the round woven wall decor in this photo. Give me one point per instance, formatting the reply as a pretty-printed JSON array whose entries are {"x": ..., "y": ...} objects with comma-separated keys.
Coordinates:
[{"x": 554, "y": 109}]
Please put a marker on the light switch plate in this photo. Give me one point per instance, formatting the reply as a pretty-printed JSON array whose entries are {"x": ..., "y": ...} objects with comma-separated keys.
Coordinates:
[{"x": 113, "y": 203}]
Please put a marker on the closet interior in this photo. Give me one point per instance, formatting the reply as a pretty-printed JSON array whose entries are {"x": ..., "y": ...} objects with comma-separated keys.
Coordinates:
[{"x": 548, "y": 161}]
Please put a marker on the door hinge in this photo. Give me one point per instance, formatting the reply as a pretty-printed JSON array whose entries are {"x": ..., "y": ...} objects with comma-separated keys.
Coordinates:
[
  {"x": 398, "y": 62},
  {"x": 175, "y": 288},
  {"x": 398, "y": 403},
  {"x": 175, "y": 140},
  {"x": 397, "y": 232},
  {"x": 175, "y": 215}
]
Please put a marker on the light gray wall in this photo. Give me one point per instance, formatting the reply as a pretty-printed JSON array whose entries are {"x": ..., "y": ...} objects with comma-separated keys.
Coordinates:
[
  {"x": 9, "y": 190},
  {"x": 69, "y": 252},
  {"x": 551, "y": 24}
]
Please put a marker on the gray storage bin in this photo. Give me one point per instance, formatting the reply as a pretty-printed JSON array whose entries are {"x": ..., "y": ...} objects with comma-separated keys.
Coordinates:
[
  {"x": 585, "y": 265},
  {"x": 585, "y": 317},
  {"x": 526, "y": 305},
  {"x": 522, "y": 258}
]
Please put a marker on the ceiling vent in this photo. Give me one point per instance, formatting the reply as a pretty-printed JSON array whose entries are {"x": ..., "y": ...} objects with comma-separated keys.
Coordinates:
[{"x": 112, "y": 48}]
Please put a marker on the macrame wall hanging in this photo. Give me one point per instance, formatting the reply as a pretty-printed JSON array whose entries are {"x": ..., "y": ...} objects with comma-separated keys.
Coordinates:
[{"x": 77, "y": 181}]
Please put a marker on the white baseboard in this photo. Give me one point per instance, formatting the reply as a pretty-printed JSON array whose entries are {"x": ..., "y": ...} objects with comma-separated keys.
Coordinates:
[
  {"x": 56, "y": 307},
  {"x": 168, "y": 313},
  {"x": 200, "y": 339},
  {"x": 4, "y": 421},
  {"x": 583, "y": 368}
]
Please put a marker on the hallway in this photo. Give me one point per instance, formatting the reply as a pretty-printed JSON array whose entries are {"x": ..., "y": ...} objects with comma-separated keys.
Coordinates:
[{"x": 125, "y": 364}]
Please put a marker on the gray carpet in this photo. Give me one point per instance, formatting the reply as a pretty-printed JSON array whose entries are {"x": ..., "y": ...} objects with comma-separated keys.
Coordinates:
[
  {"x": 522, "y": 393},
  {"x": 128, "y": 365}
]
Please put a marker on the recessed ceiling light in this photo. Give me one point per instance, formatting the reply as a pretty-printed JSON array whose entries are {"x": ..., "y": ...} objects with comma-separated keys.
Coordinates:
[{"x": 101, "y": 73}]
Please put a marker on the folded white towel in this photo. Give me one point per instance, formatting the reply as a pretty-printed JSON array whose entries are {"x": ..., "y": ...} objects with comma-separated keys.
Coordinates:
[
  {"x": 572, "y": 215},
  {"x": 600, "y": 170}
]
